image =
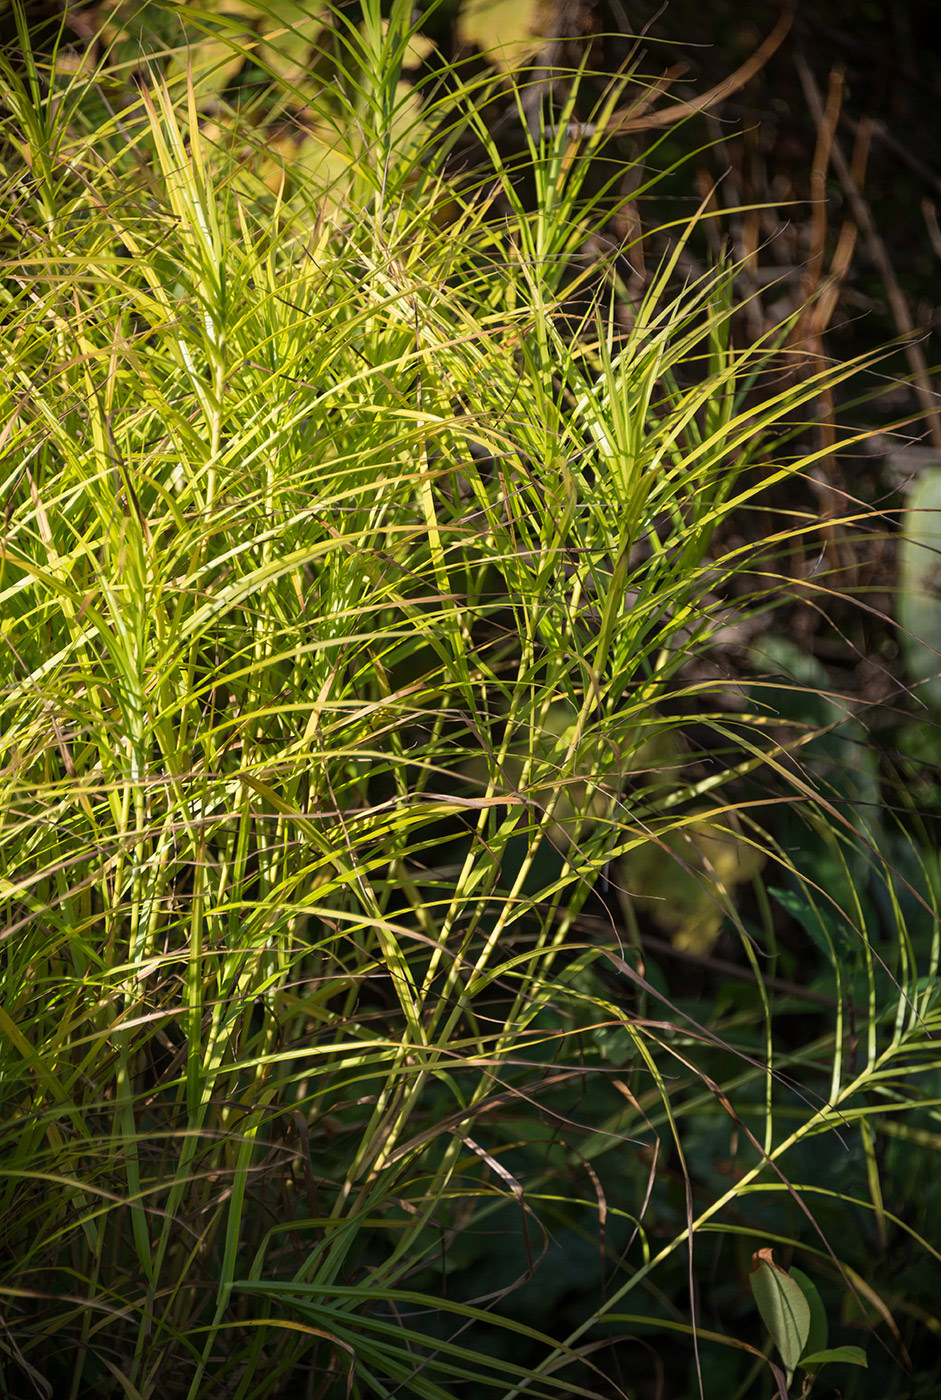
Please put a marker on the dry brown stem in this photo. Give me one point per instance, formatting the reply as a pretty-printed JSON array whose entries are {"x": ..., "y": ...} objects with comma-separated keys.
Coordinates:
[
  {"x": 927, "y": 397},
  {"x": 626, "y": 119}
]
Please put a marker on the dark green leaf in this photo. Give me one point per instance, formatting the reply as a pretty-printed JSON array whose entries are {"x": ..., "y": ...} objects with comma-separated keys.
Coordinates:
[
  {"x": 851, "y": 1356},
  {"x": 784, "y": 1309},
  {"x": 819, "y": 1332}
]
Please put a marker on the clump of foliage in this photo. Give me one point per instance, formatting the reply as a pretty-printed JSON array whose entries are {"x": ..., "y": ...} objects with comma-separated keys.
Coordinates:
[{"x": 350, "y": 593}]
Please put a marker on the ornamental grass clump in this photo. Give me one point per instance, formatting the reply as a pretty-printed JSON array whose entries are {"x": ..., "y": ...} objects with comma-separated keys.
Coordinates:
[{"x": 348, "y": 595}]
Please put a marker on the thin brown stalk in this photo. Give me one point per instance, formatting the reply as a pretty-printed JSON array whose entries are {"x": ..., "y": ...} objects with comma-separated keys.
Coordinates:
[
  {"x": 921, "y": 379},
  {"x": 625, "y": 120}
]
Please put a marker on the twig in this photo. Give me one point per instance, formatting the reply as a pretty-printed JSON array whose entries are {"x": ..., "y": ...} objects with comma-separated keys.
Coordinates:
[
  {"x": 846, "y": 243},
  {"x": 826, "y": 134},
  {"x": 863, "y": 216},
  {"x": 883, "y": 134},
  {"x": 625, "y": 120},
  {"x": 817, "y": 312}
]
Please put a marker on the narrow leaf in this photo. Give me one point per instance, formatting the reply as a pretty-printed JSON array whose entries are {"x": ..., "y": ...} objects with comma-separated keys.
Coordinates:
[{"x": 851, "y": 1356}]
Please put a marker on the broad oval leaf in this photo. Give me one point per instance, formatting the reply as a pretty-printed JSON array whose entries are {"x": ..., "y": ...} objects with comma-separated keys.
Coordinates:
[
  {"x": 819, "y": 1333},
  {"x": 784, "y": 1309}
]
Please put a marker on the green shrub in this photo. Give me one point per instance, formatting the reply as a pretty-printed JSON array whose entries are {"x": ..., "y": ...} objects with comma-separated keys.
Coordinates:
[{"x": 348, "y": 598}]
